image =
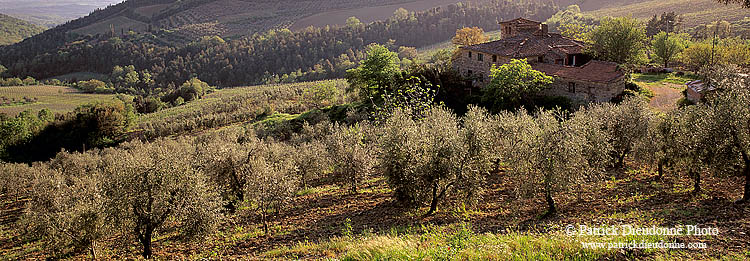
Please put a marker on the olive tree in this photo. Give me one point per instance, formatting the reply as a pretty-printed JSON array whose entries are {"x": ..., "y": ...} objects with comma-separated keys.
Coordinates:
[
  {"x": 65, "y": 205},
  {"x": 657, "y": 146},
  {"x": 270, "y": 179},
  {"x": 352, "y": 154},
  {"x": 425, "y": 160},
  {"x": 148, "y": 184},
  {"x": 221, "y": 156},
  {"x": 15, "y": 179},
  {"x": 624, "y": 124},
  {"x": 731, "y": 121},
  {"x": 549, "y": 156},
  {"x": 695, "y": 143},
  {"x": 311, "y": 159}
]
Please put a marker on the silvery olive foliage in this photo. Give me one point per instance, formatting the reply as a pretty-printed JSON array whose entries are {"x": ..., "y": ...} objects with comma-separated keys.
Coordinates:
[
  {"x": 311, "y": 161},
  {"x": 148, "y": 184},
  {"x": 624, "y": 125},
  {"x": 694, "y": 143},
  {"x": 731, "y": 123},
  {"x": 424, "y": 160},
  {"x": 549, "y": 154},
  {"x": 15, "y": 179},
  {"x": 271, "y": 180},
  {"x": 65, "y": 206},
  {"x": 657, "y": 147},
  {"x": 352, "y": 155},
  {"x": 222, "y": 156}
]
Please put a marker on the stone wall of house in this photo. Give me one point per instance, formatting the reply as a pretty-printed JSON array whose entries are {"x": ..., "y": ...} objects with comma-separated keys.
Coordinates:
[
  {"x": 586, "y": 91},
  {"x": 480, "y": 70}
]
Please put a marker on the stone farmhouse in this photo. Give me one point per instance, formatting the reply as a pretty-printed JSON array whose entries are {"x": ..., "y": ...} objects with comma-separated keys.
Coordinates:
[{"x": 577, "y": 76}]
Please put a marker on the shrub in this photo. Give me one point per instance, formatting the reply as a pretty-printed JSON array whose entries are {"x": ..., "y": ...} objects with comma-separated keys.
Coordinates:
[
  {"x": 193, "y": 89},
  {"x": 320, "y": 95},
  {"x": 92, "y": 85}
]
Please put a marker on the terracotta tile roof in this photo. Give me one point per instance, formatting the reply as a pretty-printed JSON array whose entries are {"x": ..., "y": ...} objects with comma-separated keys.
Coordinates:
[
  {"x": 593, "y": 71},
  {"x": 525, "y": 45}
]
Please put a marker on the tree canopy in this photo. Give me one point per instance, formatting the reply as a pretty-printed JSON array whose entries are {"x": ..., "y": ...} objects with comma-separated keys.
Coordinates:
[
  {"x": 469, "y": 36},
  {"x": 620, "y": 40},
  {"x": 513, "y": 84}
]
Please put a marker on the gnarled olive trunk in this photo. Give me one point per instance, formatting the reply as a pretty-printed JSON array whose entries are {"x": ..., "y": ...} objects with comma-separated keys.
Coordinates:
[
  {"x": 145, "y": 239},
  {"x": 697, "y": 182},
  {"x": 551, "y": 209}
]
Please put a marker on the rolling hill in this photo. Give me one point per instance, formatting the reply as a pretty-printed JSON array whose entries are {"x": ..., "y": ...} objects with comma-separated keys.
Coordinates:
[
  {"x": 13, "y": 30},
  {"x": 228, "y": 18}
]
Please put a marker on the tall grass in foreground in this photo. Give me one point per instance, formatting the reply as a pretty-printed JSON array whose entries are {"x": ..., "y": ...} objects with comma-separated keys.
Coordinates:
[{"x": 459, "y": 242}]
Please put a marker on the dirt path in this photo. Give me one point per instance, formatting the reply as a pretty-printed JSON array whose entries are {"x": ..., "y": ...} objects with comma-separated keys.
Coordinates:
[{"x": 665, "y": 96}]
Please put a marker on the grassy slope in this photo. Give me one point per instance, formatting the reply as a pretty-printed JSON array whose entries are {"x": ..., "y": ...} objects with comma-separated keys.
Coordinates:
[
  {"x": 56, "y": 98},
  {"x": 13, "y": 30},
  {"x": 695, "y": 12}
]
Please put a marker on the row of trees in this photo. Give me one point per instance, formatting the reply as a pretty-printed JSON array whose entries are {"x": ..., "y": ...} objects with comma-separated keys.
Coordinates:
[
  {"x": 624, "y": 40},
  {"x": 428, "y": 161}
]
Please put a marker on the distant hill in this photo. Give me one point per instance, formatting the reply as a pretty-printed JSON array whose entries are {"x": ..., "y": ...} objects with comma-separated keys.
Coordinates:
[
  {"x": 13, "y": 30},
  {"x": 50, "y": 13}
]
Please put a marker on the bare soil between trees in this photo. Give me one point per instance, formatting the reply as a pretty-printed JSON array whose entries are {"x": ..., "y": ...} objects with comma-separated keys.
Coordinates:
[
  {"x": 665, "y": 96},
  {"x": 635, "y": 197}
]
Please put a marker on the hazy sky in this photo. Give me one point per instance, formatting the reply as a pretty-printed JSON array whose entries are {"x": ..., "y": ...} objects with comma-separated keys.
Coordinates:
[{"x": 51, "y": 12}]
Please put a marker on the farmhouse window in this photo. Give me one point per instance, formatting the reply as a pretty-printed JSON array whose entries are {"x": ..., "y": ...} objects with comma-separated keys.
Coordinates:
[
  {"x": 541, "y": 59},
  {"x": 469, "y": 54},
  {"x": 469, "y": 73},
  {"x": 572, "y": 87},
  {"x": 480, "y": 57},
  {"x": 494, "y": 58}
]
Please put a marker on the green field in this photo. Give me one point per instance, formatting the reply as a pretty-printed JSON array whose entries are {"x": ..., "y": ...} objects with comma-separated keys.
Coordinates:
[{"x": 59, "y": 99}]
